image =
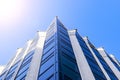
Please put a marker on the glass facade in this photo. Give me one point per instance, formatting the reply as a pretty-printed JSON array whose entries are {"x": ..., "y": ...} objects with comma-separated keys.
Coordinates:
[
  {"x": 115, "y": 64},
  {"x": 24, "y": 66},
  {"x": 55, "y": 58},
  {"x": 2, "y": 75},
  {"x": 57, "y": 55},
  {"x": 68, "y": 68},
  {"x": 105, "y": 65},
  {"x": 48, "y": 62},
  {"x": 97, "y": 72},
  {"x": 12, "y": 71}
]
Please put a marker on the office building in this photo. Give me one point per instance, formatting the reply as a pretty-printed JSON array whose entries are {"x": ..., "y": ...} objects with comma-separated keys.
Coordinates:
[{"x": 61, "y": 54}]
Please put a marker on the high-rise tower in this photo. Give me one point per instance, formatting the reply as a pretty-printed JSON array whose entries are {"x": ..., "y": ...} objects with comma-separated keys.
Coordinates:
[{"x": 61, "y": 54}]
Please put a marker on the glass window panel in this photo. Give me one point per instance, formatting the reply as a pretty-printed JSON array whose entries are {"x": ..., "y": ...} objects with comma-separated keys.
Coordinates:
[
  {"x": 47, "y": 58},
  {"x": 106, "y": 67},
  {"x": 71, "y": 73},
  {"x": 46, "y": 75},
  {"x": 2, "y": 75},
  {"x": 48, "y": 50},
  {"x": 67, "y": 78},
  {"x": 51, "y": 77},
  {"x": 49, "y": 47},
  {"x": 47, "y": 40},
  {"x": 22, "y": 75},
  {"x": 47, "y": 64},
  {"x": 72, "y": 65},
  {"x": 115, "y": 64},
  {"x": 26, "y": 61},
  {"x": 47, "y": 54},
  {"x": 29, "y": 55},
  {"x": 49, "y": 43},
  {"x": 23, "y": 69}
]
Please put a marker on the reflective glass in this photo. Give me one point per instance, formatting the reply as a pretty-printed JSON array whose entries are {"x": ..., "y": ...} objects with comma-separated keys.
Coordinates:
[
  {"x": 97, "y": 72},
  {"x": 25, "y": 66},
  {"x": 106, "y": 67}
]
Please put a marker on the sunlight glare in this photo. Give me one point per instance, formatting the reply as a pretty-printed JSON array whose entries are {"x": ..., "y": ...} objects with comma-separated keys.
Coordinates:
[{"x": 10, "y": 10}]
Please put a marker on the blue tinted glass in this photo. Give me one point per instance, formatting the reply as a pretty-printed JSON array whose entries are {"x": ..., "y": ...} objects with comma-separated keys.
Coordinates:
[
  {"x": 115, "y": 64},
  {"x": 49, "y": 47},
  {"x": 2, "y": 75},
  {"x": 106, "y": 67},
  {"x": 22, "y": 76},
  {"x": 97, "y": 72},
  {"x": 23, "y": 69},
  {"x": 25, "y": 66},
  {"x": 48, "y": 72},
  {"x": 48, "y": 43},
  {"x": 67, "y": 61},
  {"x": 12, "y": 71},
  {"x": 47, "y": 54},
  {"x": 29, "y": 55},
  {"x": 57, "y": 53},
  {"x": 71, "y": 65},
  {"x": 52, "y": 37},
  {"x": 47, "y": 64}
]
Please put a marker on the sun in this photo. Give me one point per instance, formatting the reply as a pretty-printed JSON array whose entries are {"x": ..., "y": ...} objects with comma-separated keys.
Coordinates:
[{"x": 10, "y": 9}]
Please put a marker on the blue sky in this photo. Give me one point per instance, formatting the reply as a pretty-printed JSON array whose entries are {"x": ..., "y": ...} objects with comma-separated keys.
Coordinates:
[{"x": 97, "y": 19}]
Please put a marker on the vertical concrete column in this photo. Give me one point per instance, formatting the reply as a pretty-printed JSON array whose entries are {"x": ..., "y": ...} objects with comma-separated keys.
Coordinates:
[
  {"x": 23, "y": 51},
  {"x": 83, "y": 65},
  {"x": 36, "y": 60},
  {"x": 97, "y": 60},
  {"x": 114, "y": 59},
  {"x": 108, "y": 61},
  {"x": 1, "y": 68},
  {"x": 11, "y": 62}
]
